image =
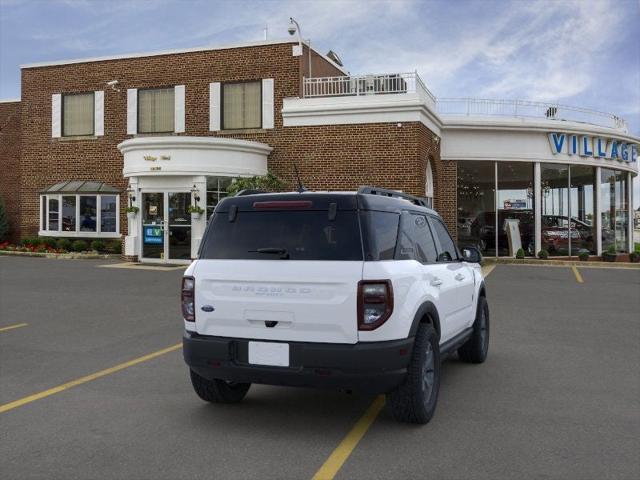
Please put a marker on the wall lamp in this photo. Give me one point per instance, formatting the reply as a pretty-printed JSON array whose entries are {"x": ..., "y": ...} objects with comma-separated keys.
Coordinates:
[{"x": 195, "y": 194}]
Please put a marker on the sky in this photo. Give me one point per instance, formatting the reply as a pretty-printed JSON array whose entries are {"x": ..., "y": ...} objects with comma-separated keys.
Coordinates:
[{"x": 584, "y": 53}]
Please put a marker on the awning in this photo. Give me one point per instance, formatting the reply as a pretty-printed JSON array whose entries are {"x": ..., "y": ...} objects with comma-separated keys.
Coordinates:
[{"x": 81, "y": 186}]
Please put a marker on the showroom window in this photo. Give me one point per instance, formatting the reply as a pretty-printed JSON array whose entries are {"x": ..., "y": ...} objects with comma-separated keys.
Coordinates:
[
  {"x": 241, "y": 105},
  {"x": 216, "y": 191},
  {"x": 75, "y": 209},
  {"x": 477, "y": 205},
  {"x": 156, "y": 110},
  {"x": 614, "y": 209},
  {"x": 515, "y": 205},
  {"x": 78, "y": 114}
]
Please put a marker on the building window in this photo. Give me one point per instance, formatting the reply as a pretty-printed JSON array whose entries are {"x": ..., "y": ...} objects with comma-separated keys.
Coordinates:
[
  {"x": 428, "y": 187},
  {"x": 477, "y": 205},
  {"x": 216, "y": 191},
  {"x": 515, "y": 208},
  {"x": 241, "y": 105},
  {"x": 614, "y": 210},
  {"x": 156, "y": 110},
  {"x": 78, "y": 114},
  {"x": 69, "y": 215}
]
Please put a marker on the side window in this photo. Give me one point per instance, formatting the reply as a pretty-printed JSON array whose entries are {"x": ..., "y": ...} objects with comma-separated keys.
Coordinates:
[
  {"x": 447, "y": 252},
  {"x": 415, "y": 241},
  {"x": 425, "y": 246}
]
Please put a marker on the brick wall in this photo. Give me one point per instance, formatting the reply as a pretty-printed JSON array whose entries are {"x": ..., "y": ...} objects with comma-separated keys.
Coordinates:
[
  {"x": 10, "y": 164},
  {"x": 338, "y": 157}
]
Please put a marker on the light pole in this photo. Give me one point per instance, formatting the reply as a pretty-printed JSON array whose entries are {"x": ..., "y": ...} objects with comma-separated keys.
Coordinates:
[{"x": 294, "y": 27}]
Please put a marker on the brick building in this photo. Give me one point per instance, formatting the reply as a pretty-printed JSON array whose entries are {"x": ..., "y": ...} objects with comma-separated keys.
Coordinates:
[{"x": 162, "y": 131}]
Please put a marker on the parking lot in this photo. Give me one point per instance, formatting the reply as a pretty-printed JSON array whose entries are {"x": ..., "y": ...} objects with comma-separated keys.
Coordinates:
[{"x": 559, "y": 396}]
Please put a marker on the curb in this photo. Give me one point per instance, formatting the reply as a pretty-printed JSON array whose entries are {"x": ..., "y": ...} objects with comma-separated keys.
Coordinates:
[{"x": 560, "y": 263}]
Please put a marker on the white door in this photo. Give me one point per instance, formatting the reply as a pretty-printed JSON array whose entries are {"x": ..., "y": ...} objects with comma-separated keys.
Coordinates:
[{"x": 165, "y": 227}]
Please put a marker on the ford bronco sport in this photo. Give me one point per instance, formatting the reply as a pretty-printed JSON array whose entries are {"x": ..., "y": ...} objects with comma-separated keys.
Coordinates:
[{"x": 362, "y": 291}]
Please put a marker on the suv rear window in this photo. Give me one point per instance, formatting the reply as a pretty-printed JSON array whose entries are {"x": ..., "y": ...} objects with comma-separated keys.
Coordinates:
[{"x": 273, "y": 235}]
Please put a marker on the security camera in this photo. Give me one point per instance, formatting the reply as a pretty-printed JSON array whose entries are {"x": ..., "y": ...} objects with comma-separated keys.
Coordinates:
[
  {"x": 291, "y": 29},
  {"x": 112, "y": 83}
]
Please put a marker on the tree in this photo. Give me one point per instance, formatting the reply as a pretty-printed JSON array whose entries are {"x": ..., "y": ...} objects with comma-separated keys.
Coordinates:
[
  {"x": 268, "y": 183},
  {"x": 4, "y": 222}
]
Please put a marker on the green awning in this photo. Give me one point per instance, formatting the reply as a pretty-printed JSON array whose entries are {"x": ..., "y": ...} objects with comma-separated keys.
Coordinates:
[{"x": 81, "y": 186}]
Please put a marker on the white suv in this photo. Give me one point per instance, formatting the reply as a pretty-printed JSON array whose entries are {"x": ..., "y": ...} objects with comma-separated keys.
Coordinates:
[{"x": 359, "y": 291}]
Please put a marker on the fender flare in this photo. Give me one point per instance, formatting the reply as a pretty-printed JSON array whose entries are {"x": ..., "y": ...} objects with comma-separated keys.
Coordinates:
[{"x": 427, "y": 308}]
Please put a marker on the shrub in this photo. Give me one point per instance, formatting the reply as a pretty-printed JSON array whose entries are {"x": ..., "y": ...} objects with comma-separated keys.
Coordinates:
[
  {"x": 543, "y": 254},
  {"x": 520, "y": 253},
  {"x": 79, "y": 246},
  {"x": 583, "y": 255},
  {"x": 611, "y": 249},
  {"x": 634, "y": 257},
  {"x": 97, "y": 245},
  {"x": 47, "y": 242},
  {"x": 115, "y": 247},
  {"x": 28, "y": 241},
  {"x": 268, "y": 182},
  {"x": 4, "y": 222},
  {"x": 64, "y": 244}
]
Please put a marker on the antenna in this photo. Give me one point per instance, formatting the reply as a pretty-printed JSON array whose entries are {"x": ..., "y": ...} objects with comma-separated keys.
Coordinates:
[{"x": 301, "y": 187}]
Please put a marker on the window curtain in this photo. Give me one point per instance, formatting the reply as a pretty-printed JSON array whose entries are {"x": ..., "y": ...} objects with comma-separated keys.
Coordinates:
[
  {"x": 156, "y": 110},
  {"x": 241, "y": 105},
  {"x": 77, "y": 114}
]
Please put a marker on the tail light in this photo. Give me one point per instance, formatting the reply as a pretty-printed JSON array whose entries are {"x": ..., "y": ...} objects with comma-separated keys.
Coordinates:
[
  {"x": 188, "y": 299},
  {"x": 375, "y": 303}
]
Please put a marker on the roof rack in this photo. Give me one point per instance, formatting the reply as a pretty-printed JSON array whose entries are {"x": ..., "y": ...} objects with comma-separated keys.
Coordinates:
[{"x": 384, "y": 192}]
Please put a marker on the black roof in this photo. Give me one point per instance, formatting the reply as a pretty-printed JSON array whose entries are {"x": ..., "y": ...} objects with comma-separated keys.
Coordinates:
[
  {"x": 322, "y": 200},
  {"x": 81, "y": 186}
]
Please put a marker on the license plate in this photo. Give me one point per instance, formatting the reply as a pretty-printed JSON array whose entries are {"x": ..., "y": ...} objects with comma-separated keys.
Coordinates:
[{"x": 268, "y": 353}]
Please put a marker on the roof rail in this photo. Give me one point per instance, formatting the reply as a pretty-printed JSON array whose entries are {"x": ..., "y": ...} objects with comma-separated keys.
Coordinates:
[{"x": 393, "y": 193}]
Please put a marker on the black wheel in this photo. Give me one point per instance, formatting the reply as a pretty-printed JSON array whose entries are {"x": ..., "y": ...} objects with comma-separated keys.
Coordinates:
[
  {"x": 476, "y": 348},
  {"x": 218, "y": 391},
  {"x": 415, "y": 400}
]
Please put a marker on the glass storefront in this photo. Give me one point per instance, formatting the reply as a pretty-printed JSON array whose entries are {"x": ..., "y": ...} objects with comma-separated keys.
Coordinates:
[
  {"x": 614, "y": 209},
  {"x": 496, "y": 208},
  {"x": 515, "y": 205},
  {"x": 477, "y": 206}
]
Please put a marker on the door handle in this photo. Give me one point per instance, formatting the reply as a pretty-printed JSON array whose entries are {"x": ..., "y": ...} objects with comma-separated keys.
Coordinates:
[
  {"x": 459, "y": 277},
  {"x": 436, "y": 282}
]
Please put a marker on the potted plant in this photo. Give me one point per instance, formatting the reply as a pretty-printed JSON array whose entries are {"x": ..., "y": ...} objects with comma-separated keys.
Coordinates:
[
  {"x": 132, "y": 211},
  {"x": 520, "y": 254},
  {"x": 195, "y": 211},
  {"x": 610, "y": 255},
  {"x": 583, "y": 256}
]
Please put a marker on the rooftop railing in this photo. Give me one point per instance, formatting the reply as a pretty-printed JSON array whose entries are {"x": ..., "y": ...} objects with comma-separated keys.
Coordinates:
[
  {"x": 402, "y": 83},
  {"x": 357, "y": 85},
  {"x": 528, "y": 109}
]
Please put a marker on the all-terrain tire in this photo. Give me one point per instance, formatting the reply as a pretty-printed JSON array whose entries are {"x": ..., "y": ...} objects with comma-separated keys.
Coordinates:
[
  {"x": 218, "y": 391},
  {"x": 415, "y": 400},
  {"x": 476, "y": 348}
]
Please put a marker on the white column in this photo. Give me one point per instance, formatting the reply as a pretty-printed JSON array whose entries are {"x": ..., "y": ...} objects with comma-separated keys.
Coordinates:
[
  {"x": 537, "y": 209},
  {"x": 198, "y": 226},
  {"x": 132, "y": 245},
  {"x": 630, "y": 211},
  {"x": 598, "y": 213}
]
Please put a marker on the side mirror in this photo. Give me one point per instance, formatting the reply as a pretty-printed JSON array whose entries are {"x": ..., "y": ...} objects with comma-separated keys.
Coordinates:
[{"x": 471, "y": 255}]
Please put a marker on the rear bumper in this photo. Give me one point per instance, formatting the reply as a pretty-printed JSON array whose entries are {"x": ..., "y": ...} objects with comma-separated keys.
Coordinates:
[{"x": 373, "y": 367}]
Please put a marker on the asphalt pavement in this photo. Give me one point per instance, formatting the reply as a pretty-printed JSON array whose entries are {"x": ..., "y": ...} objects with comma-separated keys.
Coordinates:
[{"x": 559, "y": 396}]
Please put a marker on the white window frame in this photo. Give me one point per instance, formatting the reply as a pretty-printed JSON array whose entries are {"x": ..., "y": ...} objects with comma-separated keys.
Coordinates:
[{"x": 78, "y": 233}]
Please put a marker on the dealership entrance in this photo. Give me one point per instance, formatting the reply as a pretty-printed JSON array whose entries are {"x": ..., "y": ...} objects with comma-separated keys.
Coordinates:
[{"x": 166, "y": 227}]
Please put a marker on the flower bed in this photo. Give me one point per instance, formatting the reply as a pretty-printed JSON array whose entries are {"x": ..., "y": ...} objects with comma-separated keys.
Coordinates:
[{"x": 53, "y": 246}]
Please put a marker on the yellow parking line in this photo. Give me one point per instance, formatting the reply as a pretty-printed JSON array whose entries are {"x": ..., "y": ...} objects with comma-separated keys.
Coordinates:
[
  {"x": 577, "y": 274},
  {"x": 74, "y": 383},
  {"x": 11, "y": 327},
  {"x": 335, "y": 461},
  {"x": 487, "y": 269}
]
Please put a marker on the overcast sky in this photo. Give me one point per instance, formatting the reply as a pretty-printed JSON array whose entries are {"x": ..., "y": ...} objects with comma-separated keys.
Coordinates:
[{"x": 579, "y": 52}]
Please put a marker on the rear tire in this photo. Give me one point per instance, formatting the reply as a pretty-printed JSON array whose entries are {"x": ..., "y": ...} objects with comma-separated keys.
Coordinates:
[
  {"x": 218, "y": 391},
  {"x": 476, "y": 348},
  {"x": 415, "y": 400}
]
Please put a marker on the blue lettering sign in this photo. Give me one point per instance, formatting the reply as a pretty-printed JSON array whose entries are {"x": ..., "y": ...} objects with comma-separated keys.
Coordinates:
[
  {"x": 634, "y": 153},
  {"x": 573, "y": 148},
  {"x": 614, "y": 150},
  {"x": 557, "y": 142},
  {"x": 624, "y": 153},
  {"x": 586, "y": 147},
  {"x": 601, "y": 150},
  {"x": 153, "y": 235}
]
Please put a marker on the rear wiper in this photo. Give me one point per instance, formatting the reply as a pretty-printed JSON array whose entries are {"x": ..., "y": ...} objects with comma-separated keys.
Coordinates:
[{"x": 284, "y": 254}]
